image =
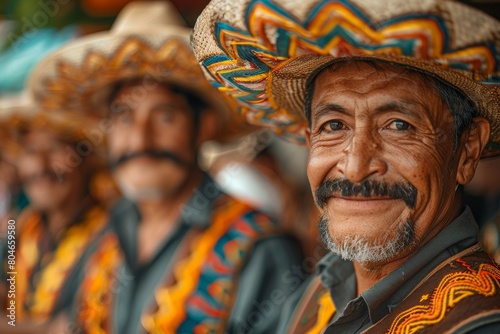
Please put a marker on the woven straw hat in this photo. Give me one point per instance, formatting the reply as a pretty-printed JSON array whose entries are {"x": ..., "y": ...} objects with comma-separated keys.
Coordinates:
[
  {"x": 12, "y": 108},
  {"x": 19, "y": 114},
  {"x": 148, "y": 40},
  {"x": 263, "y": 53}
]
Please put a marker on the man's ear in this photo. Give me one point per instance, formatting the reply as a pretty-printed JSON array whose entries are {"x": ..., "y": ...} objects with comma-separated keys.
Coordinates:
[
  {"x": 207, "y": 126},
  {"x": 476, "y": 138}
]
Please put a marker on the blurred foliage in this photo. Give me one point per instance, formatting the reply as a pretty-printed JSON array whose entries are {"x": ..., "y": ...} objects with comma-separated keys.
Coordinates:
[
  {"x": 91, "y": 15},
  {"x": 44, "y": 24},
  {"x": 101, "y": 13},
  {"x": 30, "y": 29},
  {"x": 40, "y": 14}
]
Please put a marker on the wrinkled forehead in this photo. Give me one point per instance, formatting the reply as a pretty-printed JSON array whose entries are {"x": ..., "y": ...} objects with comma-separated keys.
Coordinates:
[
  {"x": 372, "y": 71},
  {"x": 371, "y": 82},
  {"x": 139, "y": 87}
]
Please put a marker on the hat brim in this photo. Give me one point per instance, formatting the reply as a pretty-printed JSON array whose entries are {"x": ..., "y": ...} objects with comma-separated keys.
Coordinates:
[
  {"x": 257, "y": 55},
  {"x": 80, "y": 75},
  {"x": 18, "y": 120},
  {"x": 287, "y": 86}
]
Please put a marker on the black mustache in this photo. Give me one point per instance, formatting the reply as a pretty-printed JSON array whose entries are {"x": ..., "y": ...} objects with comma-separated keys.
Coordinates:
[
  {"x": 156, "y": 154},
  {"x": 45, "y": 174},
  {"x": 367, "y": 188}
]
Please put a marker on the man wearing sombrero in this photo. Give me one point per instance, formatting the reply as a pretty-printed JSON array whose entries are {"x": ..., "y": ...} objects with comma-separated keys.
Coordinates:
[
  {"x": 182, "y": 256},
  {"x": 45, "y": 244},
  {"x": 397, "y": 101}
]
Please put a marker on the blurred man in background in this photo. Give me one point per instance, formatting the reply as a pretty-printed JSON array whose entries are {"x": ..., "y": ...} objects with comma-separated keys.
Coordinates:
[
  {"x": 181, "y": 256},
  {"x": 45, "y": 244}
]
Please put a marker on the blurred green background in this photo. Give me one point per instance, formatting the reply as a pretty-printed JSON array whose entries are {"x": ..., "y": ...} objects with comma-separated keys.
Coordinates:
[{"x": 29, "y": 29}]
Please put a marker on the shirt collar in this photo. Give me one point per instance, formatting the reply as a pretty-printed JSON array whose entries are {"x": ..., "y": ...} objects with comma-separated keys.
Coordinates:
[
  {"x": 199, "y": 208},
  {"x": 337, "y": 275},
  {"x": 197, "y": 212},
  {"x": 389, "y": 292}
]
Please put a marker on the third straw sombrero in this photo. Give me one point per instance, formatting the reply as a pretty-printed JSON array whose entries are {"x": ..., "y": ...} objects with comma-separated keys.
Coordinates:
[
  {"x": 263, "y": 52},
  {"x": 148, "y": 40}
]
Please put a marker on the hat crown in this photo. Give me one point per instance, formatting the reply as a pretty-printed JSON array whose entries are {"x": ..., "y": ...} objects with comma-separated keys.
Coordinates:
[
  {"x": 148, "y": 40},
  {"x": 136, "y": 17},
  {"x": 261, "y": 53}
]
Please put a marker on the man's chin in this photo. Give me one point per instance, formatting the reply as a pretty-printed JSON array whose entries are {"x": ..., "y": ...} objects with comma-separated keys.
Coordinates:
[
  {"x": 44, "y": 199},
  {"x": 367, "y": 251},
  {"x": 43, "y": 205},
  {"x": 136, "y": 194}
]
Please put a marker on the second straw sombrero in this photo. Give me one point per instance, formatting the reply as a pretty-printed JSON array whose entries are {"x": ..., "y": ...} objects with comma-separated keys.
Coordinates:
[
  {"x": 19, "y": 115},
  {"x": 148, "y": 40},
  {"x": 263, "y": 52}
]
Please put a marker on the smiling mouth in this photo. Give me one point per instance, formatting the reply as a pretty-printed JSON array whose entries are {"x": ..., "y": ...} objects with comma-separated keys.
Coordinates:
[
  {"x": 360, "y": 203},
  {"x": 142, "y": 159},
  {"x": 41, "y": 180},
  {"x": 364, "y": 198}
]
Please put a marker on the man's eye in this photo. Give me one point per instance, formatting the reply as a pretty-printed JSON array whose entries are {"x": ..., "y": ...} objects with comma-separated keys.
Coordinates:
[
  {"x": 399, "y": 125},
  {"x": 123, "y": 116},
  {"x": 166, "y": 116},
  {"x": 120, "y": 112},
  {"x": 333, "y": 126}
]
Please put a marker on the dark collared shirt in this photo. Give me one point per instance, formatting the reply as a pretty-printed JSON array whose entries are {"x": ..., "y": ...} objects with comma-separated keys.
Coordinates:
[
  {"x": 376, "y": 302},
  {"x": 255, "y": 309},
  {"x": 356, "y": 313}
]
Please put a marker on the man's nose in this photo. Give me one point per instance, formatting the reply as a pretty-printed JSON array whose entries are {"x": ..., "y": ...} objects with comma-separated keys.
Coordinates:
[
  {"x": 40, "y": 159},
  {"x": 141, "y": 136},
  {"x": 362, "y": 158}
]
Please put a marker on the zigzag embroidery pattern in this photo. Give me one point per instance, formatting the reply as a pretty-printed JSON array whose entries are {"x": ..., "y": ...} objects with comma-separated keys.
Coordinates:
[
  {"x": 206, "y": 280},
  {"x": 332, "y": 28},
  {"x": 453, "y": 288}
]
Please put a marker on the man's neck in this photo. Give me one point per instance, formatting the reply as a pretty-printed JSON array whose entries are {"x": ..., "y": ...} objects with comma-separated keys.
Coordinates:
[
  {"x": 159, "y": 217},
  {"x": 62, "y": 216},
  {"x": 368, "y": 277},
  {"x": 369, "y": 274},
  {"x": 167, "y": 209}
]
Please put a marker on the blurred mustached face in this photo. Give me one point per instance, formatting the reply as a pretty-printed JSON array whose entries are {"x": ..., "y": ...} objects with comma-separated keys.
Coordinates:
[
  {"x": 44, "y": 172},
  {"x": 380, "y": 168},
  {"x": 152, "y": 147}
]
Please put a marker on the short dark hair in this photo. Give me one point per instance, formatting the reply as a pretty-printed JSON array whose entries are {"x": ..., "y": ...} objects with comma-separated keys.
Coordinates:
[
  {"x": 195, "y": 102},
  {"x": 460, "y": 105}
]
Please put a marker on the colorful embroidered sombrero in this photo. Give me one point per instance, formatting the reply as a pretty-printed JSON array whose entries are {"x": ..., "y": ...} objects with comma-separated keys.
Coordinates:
[
  {"x": 148, "y": 40},
  {"x": 262, "y": 53}
]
